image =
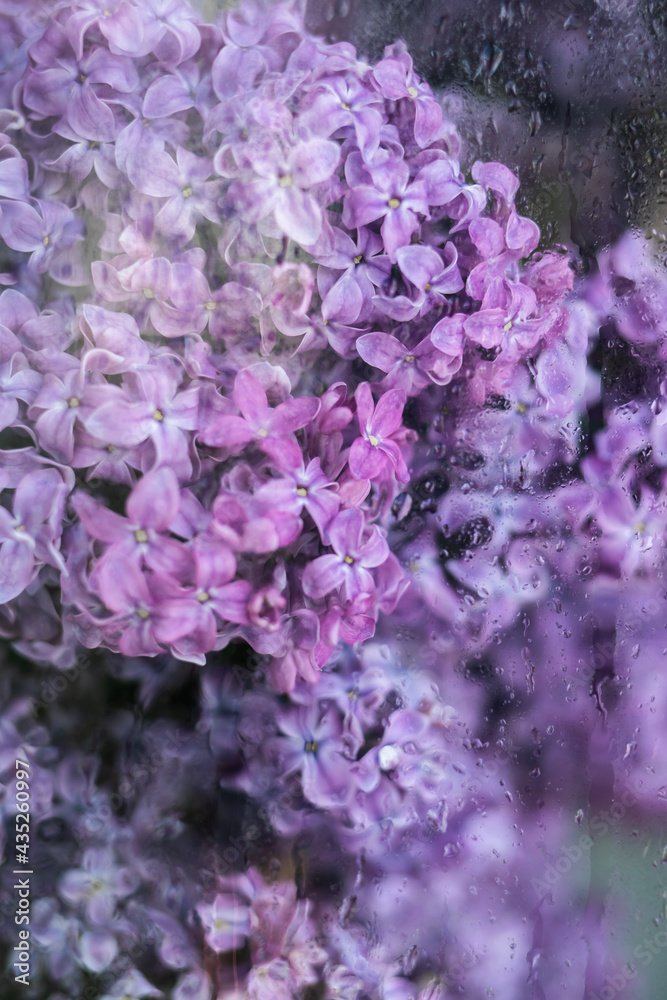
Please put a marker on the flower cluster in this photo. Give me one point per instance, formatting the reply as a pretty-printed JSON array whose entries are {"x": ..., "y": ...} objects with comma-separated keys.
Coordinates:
[{"x": 222, "y": 490}]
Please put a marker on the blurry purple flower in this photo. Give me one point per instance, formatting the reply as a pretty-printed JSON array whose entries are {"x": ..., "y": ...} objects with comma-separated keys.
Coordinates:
[
  {"x": 311, "y": 745},
  {"x": 282, "y": 187},
  {"x": 78, "y": 90},
  {"x": 226, "y": 922},
  {"x": 30, "y": 536},
  {"x": 42, "y": 231},
  {"x": 98, "y": 885}
]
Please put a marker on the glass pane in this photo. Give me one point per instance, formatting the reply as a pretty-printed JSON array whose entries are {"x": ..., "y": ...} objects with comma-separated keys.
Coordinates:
[{"x": 332, "y": 459}]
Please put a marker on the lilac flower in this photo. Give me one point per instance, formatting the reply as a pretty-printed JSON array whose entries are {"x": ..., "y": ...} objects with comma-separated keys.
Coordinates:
[
  {"x": 131, "y": 986},
  {"x": 153, "y": 412},
  {"x": 269, "y": 427},
  {"x": 377, "y": 451},
  {"x": 343, "y": 102},
  {"x": 433, "y": 279},
  {"x": 45, "y": 232},
  {"x": 226, "y": 922},
  {"x": 194, "y": 613},
  {"x": 145, "y": 285},
  {"x": 227, "y": 311},
  {"x": 506, "y": 308},
  {"x": 349, "y": 297},
  {"x": 98, "y": 885},
  {"x": 17, "y": 382},
  {"x": 409, "y": 368},
  {"x": 170, "y": 31},
  {"x": 13, "y": 172},
  {"x": 446, "y": 186},
  {"x": 391, "y": 197},
  {"x": 396, "y": 79},
  {"x": 185, "y": 183},
  {"x": 78, "y": 90},
  {"x": 283, "y": 184},
  {"x": 307, "y": 487},
  {"x": 60, "y": 402},
  {"x": 242, "y": 59},
  {"x": 311, "y": 746},
  {"x": 133, "y": 598},
  {"x": 151, "y": 508},
  {"x": 119, "y": 22},
  {"x": 31, "y": 534},
  {"x": 356, "y": 550}
]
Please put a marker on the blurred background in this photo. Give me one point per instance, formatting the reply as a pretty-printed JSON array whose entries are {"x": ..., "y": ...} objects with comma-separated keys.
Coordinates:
[{"x": 570, "y": 93}]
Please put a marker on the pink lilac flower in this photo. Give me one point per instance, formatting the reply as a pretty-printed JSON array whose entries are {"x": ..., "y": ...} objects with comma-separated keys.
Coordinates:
[
  {"x": 373, "y": 454},
  {"x": 347, "y": 567},
  {"x": 271, "y": 428}
]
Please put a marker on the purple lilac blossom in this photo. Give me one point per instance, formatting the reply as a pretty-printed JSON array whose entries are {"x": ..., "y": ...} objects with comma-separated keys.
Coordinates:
[{"x": 199, "y": 471}]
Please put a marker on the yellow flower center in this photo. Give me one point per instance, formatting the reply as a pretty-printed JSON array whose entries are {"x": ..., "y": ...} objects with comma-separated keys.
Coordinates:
[
  {"x": 187, "y": 192},
  {"x": 45, "y": 241},
  {"x": 262, "y": 432},
  {"x": 311, "y": 746},
  {"x": 345, "y": 106},
  {"x": 427, "y": 286},
  {"x": 142, "y": 613},
  {"x": 203, "y": 597},
  {"x": 140, "y": 536},
  {"x": 508, "y": 326},
  {"x": 374, "y": 441},
  {"x": 301, "y": 491},
  {"x": 413, "y": 92},
  {"x": 72, "y": 402},
  {"x": 349, "y": 560},
  {"x": 149, "y": 293},
  {"x": 210, "y": 306},
  {"x": 521, "y": 408},
  {"x": 285, "y": 181},
  {"x": 394, "y": 202},
  {"x": 358, "y": 259},
  {"x": 158, "y": 415},
  {"x": 409, "y": 358}
]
